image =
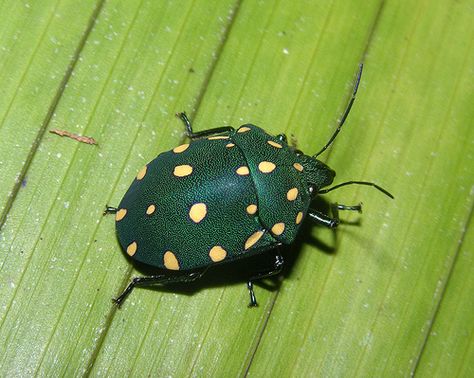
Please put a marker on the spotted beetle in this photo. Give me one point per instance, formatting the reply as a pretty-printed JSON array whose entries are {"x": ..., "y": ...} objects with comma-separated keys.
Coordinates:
[{"x": 226, "y": 195}]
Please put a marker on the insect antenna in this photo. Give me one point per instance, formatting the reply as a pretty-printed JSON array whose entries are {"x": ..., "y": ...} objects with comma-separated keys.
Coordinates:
[
  {"x": 323, "y": 191},
  {"x": 346, "y": 113}
]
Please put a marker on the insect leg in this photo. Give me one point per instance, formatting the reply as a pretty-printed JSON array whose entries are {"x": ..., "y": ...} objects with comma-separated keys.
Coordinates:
[
  {"x": 324, "y": 219},
  {"x": 161, "y": 279},
  {"x": 200, "y": 134},
  {"x": 358, "y": 208},
  {"x": 253, "y": 300},
  {"x": 109, "y": 210},
  {"x": 335, "y": 207},
  {"x": 333, "y": 222},
  {"x": 273, "y": 270}
]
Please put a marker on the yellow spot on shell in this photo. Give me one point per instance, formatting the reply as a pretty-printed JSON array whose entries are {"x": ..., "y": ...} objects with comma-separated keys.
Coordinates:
[
  {"x": 229, "y": 145},
  {"x": 299, "y": 217},
  {"x": 198, "y": 212},
  {"x": 170, "y": 261},
  {"x": 292, "y": 194},
  {"x": 266, "y": 167},
  {"x": 132, "y": 248},
  {"x": 119, "y": 215},
  {"x": 151, "y": 209},
  {"x": 243, "y": 171},
  {"x": 142, "y": 173},
  {"x": 182, "y": 170},
  {"x": 255, "y": 237},
  {"x": 217, "y": 253},
  {"x": 298, "y": 167},
  {"x": 278, "y": 228},
  {"x": 243, "y": 129},
  {"x": 181, "y": 148},
  {"x": 274, "y": 144},
  {"x": 251, "y": 209},
  {"x": 218, "y": 137}
]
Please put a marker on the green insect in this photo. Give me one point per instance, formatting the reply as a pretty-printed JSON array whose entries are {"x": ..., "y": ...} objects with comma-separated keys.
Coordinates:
[{"x": 226, "y": 195}]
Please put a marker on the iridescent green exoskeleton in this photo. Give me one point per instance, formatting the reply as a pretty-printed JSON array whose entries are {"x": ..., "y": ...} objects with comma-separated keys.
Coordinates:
[{"x": 225, "y": 195}]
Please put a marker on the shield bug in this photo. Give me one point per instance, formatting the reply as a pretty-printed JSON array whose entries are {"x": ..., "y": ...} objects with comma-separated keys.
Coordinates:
[{"x": 228, "y": 194}]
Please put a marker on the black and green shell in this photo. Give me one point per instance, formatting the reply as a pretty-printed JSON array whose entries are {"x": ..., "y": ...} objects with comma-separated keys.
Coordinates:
[{"x": 215, "y": 200}]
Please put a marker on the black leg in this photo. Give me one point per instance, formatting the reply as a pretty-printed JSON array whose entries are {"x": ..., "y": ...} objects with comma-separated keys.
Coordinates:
[
  {"x": 204, "y": 133},
  {"x": 109, "y": 210},
  {"x": 333, "y": 222},
  {"x": 324, "y": 219},
  {"x": 357, "y": 208},
  {"x": 275, "y": 269},
  {"x": 156, "y": 280},
  {"x": 253, "y": 300}
]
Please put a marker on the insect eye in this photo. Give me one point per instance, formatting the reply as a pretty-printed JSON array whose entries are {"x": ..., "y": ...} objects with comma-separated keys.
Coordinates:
[{"x": 282, "y": 138}]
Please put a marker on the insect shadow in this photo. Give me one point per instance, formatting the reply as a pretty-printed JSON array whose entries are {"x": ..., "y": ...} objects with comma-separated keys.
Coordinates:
[{"x": 240, "y": 270}]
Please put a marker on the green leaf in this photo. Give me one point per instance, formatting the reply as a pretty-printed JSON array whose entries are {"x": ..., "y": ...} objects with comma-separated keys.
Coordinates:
[{"x": 388, "y": 294}]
